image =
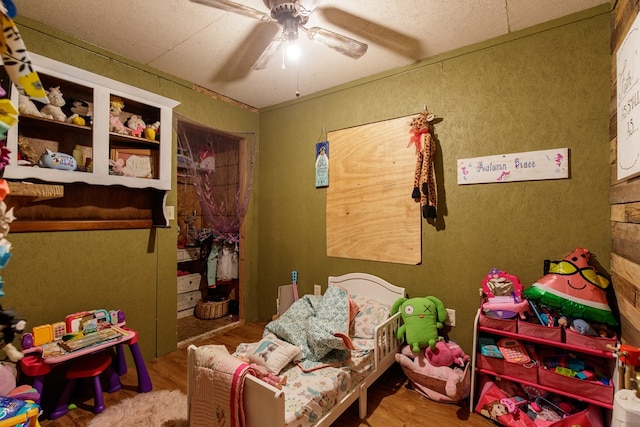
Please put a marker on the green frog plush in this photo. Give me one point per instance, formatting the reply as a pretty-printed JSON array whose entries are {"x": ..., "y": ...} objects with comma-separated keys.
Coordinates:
[{"x": 422, "y": 317}]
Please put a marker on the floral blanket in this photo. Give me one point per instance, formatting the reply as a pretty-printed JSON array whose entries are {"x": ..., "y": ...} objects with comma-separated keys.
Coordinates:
[{"x": 319, "y": 325}]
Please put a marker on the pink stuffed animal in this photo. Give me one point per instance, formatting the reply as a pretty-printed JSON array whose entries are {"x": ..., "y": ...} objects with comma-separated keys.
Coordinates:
[{"x": 447, "y": 354}]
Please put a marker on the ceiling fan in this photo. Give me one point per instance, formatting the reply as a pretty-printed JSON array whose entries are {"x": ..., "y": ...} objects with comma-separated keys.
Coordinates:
[{"x": 292, "y": 15}]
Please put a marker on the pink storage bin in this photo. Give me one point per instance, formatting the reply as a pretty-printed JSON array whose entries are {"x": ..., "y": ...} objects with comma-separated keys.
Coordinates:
[
  {"x": 553, "y": 333},
  {"x": 591, "y": 389},
  {"x": 525, "y": 372},
  {"x": 509, "y": 325},
  {"x": 594, "y": 343}
]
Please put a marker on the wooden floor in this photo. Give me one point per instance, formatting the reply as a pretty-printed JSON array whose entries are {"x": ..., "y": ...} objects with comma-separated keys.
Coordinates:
[
  {"x": 190, "y": 327},
  {"x": 390, "y": 402}
]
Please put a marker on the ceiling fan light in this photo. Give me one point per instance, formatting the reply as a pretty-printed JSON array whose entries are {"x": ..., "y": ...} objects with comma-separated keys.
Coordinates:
[{"x": 293, "y": 50}]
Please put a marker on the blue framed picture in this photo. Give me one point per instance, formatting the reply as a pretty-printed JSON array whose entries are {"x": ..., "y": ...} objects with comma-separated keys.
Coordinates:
[{"x": 322, "y": 164}]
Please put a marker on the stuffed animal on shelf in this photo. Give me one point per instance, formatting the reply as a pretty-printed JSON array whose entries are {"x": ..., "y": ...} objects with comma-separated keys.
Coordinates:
[
  {"x": 115, "y": 108},
  {"x": 27, "y": 107},
  {"x": 81, "y": 112},
  {"x": 424, "y": 182},
  {"x": 136, "y": 125},
  {"x": 422, "y": 317},
  {"x": 56, "y": 101},
  {"x": 152, "y": 131}
]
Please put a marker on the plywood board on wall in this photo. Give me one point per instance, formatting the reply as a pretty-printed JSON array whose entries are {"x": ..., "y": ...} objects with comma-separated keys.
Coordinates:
[{"x": 370, "y": 212}]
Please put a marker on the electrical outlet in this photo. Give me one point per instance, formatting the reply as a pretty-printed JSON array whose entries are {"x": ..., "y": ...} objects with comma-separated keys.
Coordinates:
[
  {"x": 317, "y": 290},
  {"x": 451, "y": 317},
  {"x": 170, "y": 212}
]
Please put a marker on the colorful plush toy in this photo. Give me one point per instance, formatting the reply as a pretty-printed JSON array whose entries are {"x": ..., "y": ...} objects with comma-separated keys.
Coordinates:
[
  {"x": 575, "y": 288},
  {"x": 115, "y": 124},
  {"x": 424, "y": 182},
  {"x": 136, "y": 125},
  {"x": 422, "y": 317},
  {"x": 447, "y": 354}
]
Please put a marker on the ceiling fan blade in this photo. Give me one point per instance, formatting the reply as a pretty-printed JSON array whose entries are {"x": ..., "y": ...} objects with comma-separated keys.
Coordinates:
[
  {"x": 305, "y": 7},
  {"x": 236, "y": 8},
  {"x": 273, "y": 47},
  {"x": 343, "y": 44}
]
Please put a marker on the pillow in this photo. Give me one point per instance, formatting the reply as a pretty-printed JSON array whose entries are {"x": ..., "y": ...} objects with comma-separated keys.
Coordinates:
[
  {"x": 371, "y": 314},
  {"x": 272, "y": 353},
  {"x": 354, "y": 309}
]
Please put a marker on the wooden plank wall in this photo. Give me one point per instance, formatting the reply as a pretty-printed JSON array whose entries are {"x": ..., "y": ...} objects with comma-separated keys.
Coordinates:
[{"x": 625, "y": 201}]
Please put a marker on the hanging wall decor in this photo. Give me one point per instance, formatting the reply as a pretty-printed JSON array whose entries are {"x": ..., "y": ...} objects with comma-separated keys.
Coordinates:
[
  {"x": 322, "y": 164},
  {"x": 628, "y": 98},
  {"x": 528, "y": 166}
]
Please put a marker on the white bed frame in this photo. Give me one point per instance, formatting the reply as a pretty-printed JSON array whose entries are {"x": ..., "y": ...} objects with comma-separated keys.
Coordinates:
[{"x": 264, "y": 404}]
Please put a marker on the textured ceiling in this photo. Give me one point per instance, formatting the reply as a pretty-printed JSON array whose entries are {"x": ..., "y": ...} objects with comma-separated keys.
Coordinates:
[{"x": 215, "y": 49}]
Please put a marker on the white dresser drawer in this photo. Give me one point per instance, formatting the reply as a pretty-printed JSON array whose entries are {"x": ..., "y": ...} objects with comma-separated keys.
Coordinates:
[
  {"x": 188, "y": 300},
  {"x": 189, "y": 283},
  {"x": 188, "y": 254}
]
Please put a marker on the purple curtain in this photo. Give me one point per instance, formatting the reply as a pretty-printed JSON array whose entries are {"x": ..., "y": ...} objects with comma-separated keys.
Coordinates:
[{"x": 220, "y": 166}]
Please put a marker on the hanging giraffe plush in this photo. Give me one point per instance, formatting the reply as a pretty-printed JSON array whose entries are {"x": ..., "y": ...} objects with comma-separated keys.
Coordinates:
[{"x": 424, "y": 183}]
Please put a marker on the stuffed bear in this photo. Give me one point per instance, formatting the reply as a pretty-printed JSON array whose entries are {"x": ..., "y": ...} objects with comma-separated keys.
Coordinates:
[
  {"x": 422, "y": 317},
  {"x": 56, "y": 100}
]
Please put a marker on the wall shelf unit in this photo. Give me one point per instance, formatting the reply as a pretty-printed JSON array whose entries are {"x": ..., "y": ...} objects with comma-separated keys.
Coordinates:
[{"x": 104, "y": 158}]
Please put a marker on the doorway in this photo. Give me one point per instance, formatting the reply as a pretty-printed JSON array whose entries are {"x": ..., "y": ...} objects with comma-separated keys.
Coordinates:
[{"x": 214, "y": 170}]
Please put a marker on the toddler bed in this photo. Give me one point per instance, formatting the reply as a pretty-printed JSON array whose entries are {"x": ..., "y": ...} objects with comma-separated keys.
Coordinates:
[{"x": 320, "y": 385}]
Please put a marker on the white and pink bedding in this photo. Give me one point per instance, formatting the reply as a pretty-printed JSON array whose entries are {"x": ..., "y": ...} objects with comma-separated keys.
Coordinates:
[{"x": 329, "y": 361}]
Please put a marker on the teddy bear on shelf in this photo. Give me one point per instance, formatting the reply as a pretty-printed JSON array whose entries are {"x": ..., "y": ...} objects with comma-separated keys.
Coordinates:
[
  {"x": 27, "y": 107},
  {"x": 56, "y": 101},
  {"x": 136, "y": 125},
  {"x": 115, "y": 125}
]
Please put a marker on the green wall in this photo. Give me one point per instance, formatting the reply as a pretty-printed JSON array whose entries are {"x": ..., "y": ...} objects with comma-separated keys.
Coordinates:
[
  {"x": 545, "y": 88},
  {"x": 53, "y": 274}
]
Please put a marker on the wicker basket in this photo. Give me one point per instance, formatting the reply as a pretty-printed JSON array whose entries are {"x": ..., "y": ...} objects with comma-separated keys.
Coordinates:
[{"x": 212, "y": 309}]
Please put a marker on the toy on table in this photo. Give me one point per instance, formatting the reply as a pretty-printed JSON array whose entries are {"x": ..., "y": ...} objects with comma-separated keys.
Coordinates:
[
  {"x": 79, "y": 330},
  {"x": 575, "y": 288},
  {"x": 503, "y": 295},
  {"x": 422, "y": 317}
]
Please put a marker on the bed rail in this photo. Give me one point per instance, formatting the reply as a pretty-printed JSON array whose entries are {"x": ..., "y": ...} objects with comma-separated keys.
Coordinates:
[{"x": 386, "y": 341}]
